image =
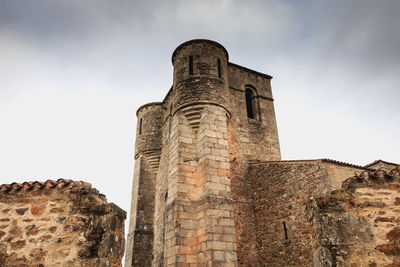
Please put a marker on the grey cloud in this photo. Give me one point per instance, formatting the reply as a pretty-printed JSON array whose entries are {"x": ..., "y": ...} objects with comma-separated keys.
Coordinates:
[
  {"x": 364, "y": 34},
  {"x": 45, "y": 20}
]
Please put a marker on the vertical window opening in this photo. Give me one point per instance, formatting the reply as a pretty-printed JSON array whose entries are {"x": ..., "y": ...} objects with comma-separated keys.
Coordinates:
[
  {"x": 219, "y": 68},
  {"x": 249, "y": 103},
  {"x": 170, "y": 121},
  {"x": 285, "y": 230},
  {"x": 190, "y": 65},
  {"x": 140, "y": 126}
]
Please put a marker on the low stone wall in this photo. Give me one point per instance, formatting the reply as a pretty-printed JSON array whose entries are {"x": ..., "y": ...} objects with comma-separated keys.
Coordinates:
[{"x": 59, "y": 223}]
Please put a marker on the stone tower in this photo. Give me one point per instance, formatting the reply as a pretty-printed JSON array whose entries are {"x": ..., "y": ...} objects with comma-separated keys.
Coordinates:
[{"x": 192, "y": 154}]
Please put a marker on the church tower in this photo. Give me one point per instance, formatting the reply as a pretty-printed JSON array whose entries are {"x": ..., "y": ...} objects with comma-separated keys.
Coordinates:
[{"x": 191, "y": 157}]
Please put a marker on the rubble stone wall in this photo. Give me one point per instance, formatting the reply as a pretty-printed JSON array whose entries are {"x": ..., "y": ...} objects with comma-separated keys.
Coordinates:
[
  {"x": 62, "y": 223},
  {"x": 359, "y": 225}
]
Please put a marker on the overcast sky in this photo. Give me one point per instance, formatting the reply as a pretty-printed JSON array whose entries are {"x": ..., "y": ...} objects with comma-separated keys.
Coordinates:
[{"x": 73, "y": 73}]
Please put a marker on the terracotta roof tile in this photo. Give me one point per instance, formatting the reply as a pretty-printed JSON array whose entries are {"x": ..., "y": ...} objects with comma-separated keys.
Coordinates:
[
  {"x": 49, "y": 183},
  {"x": 379, "y": 160},
  {"x": 343, "y": 163},
  {"x": 312, "y": 160}
]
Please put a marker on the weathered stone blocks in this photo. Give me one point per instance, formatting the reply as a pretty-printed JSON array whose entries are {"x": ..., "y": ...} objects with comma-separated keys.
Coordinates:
[{"x": 63, "y": 223}]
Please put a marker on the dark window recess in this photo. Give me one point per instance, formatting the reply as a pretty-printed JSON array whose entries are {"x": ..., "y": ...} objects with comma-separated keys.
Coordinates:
[
  {"x": 219, "y": 68},
  {"x": 249, "y": 104},
  {"x": 190, "y": 65},
  {"x": 166, "y": 196},
  {"x": 285, "y": 230},
  {"x": 140, "y": 126}
]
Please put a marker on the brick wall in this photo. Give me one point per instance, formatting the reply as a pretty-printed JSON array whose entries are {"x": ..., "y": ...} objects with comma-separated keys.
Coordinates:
[{"x": 63, "y": 223}]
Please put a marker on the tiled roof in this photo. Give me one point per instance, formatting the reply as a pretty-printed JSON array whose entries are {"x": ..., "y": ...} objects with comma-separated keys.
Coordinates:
[
  {"x": 312, "y": 160},
  {"x": 378, "y": 161},
  {"x": 47, "y": 184},
  {"x": 343, "y": 163}
]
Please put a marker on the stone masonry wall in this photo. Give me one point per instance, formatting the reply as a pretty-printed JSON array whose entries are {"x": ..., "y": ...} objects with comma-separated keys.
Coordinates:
[
  {"x": 279, "y": 194},
  {"x": 359, "y": 225},
  {"x": 148, "y": 146},
  {"x": 198, "y": 208},
  {"x": 204, "y": 140},
  {"x": 63, "y": 223},
  {"x": 149, "y": 128},
  {"x": 161, "y": 194},
  {"x": 140, "y": 235},
  {"x": 204, "y": 85},
  {"x": 193, "y": 205},
  {"x": 249, "y": 140},
  {"x": 209, "y": 188},
  {"x": 382, "y": 165}
]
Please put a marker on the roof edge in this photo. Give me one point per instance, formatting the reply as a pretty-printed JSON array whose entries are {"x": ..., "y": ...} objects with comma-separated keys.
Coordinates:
[
  {"x": 313, "y": 160},
  {"x": 198, "y": 41},
  {"x": 48, "y": 183},
  {"x": 379, "y": 160},
  {"x": 147, "y": 105},
  {"x": 250, "y": 70}
]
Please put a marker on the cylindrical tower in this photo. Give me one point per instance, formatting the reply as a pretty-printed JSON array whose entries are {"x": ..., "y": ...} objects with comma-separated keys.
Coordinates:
[
  {"x": 200, "y": 74},
  {"x": 149, "y": 128},
  {"x": 198, "y": 202},
  {"x": 147, "y": 157}
]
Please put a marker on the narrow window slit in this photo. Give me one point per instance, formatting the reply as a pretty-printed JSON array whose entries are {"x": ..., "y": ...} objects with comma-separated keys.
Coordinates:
[
  {"x": 140, "y": 126},
  {"x": 249, "y": 104},
  {"x": 285, "y": 230},
  {"x": 219, "y": 68},
  {"x": 190, "y": 65}
]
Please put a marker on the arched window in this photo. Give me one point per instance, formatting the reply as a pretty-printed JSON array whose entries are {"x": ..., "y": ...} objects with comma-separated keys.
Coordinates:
[{"x": 249, "y": 103}]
